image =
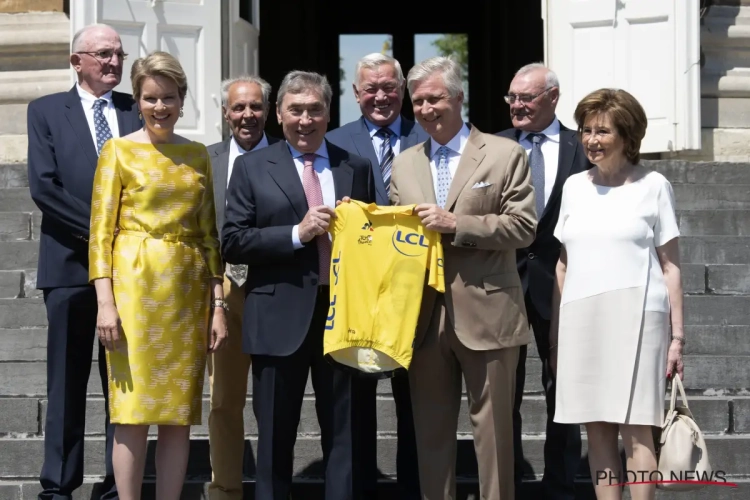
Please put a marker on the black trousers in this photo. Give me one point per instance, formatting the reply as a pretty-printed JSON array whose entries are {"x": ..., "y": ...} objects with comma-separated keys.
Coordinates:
[
  {"x": 71, "y": 315},
  {"x": 562, "y": 446},
  {"x": 278, "y": 390},
  {"x": 407, "y": 471}
]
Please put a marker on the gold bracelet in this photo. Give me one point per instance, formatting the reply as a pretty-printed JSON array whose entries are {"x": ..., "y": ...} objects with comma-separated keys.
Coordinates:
[{"x": 220, "y": 303}]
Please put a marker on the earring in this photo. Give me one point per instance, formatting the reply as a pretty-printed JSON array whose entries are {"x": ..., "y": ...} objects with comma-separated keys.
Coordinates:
[
  {"x": 140, "y": 116},
  {"x": 181, "y": 113}
]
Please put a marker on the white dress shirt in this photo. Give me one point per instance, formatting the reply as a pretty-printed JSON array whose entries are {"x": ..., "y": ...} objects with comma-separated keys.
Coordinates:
[
  {"x": 236, "y": 150},
  {"x": 456, "y": 148},
  {"x": 551, "y": 152},
  {"x": 377, "y": 141},
  {"x": 88, "y": 100},
  {"x": 322, "y": 166}
]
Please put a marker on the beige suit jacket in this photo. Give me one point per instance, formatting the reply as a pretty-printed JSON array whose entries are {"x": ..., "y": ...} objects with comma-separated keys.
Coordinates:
[{"x": 483, "y": 297}]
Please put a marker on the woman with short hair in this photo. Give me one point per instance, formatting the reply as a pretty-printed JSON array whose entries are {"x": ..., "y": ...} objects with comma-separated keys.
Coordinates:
[
  {"x": 618, "y": 290},
  {"x": 155, "y": 262}
]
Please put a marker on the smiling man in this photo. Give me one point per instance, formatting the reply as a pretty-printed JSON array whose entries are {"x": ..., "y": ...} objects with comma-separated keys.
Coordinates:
[
  {"x": 555, "y": 153},
  {"x": 66, "y": 132},
  {"x": 379, "y": 135},
  {"x": 475, "y": 189},
  {"x": 279, "y": 206},
  {"x": 245, "y": 106}
]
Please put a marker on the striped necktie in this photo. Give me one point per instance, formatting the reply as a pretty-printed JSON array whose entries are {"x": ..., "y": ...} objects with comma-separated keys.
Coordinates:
[{"x": 386, "y": 157}]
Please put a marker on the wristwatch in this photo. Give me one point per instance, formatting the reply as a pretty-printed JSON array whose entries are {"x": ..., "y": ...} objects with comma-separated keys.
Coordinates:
[{"x": 220, "y": 303}]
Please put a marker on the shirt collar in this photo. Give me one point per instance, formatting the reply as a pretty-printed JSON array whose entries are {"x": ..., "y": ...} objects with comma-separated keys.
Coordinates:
[
  {"x": 322, "y": 151},
  {"x": 235, "y": 147},
  {"x": 89, "y": 99},
  {"x": 394, "y": 127},
  {"x": 552, "y": 132},
  {"x": 456, "y": 144}
]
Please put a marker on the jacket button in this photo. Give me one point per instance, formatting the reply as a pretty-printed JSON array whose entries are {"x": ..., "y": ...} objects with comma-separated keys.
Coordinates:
[
  {"x": 314, "y": 282},
  {"x": 532, "y": 256}
]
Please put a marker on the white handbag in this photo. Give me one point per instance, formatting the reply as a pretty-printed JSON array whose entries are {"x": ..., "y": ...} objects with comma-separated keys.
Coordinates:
[{"x": 682, "y": 453}]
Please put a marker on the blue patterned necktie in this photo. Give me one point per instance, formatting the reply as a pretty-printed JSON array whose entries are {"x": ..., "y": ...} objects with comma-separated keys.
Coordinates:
[
  {"x": 386, "y": 157},
  {"x": 103, "y": 133},
  {"x": 443, "y": 176},
  {"x": 536, "y": 163}
]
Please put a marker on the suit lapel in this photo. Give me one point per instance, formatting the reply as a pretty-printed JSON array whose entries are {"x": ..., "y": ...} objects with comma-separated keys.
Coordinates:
[
  {"x": 220, "y": 169},
  {"x": 343, "y": 174},
  {"x": 284, "y": 173},
  {"x": 363, "y": 142},
  {"x": 471, "y": 157},
  {"x": 409, "y": 135},
  {"x": 77, "y": 119},
  {"x": 424, "y": 173}
]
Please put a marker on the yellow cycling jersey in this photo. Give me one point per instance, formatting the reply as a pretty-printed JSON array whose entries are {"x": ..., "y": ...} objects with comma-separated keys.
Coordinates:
[{"x": 380, "y": 256}]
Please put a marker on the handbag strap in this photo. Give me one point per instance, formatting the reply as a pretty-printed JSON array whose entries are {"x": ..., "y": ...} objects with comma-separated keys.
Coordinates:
[{"x": 677, "y": 384}]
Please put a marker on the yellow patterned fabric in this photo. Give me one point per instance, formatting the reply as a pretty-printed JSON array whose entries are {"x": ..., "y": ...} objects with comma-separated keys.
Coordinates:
[{"x": 160, "y": 199}]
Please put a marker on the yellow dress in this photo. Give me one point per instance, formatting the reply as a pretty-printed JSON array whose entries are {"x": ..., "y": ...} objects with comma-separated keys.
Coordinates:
[{"x": 160, "y": 198}]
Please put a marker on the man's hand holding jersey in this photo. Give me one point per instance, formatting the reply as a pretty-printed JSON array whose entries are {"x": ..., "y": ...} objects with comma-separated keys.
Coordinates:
[
  {"x": 435, "y": 218},
  {"x": 315, "y": 222}
]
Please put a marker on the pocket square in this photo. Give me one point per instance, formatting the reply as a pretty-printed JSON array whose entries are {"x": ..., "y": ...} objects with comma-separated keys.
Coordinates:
[{"x": 481, "y": 185}]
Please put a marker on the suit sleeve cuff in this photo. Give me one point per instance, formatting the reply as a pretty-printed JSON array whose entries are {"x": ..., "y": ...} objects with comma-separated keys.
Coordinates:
[{"x": 295, "y": 238}]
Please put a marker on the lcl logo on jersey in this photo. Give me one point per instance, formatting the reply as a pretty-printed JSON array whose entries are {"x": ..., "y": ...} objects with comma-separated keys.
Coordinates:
[{"x": 409, "y": 244}]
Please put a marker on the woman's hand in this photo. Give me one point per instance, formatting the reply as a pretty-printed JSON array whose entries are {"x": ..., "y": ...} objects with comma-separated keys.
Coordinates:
[
  {"x": 218, "y": 334},
  {"x": 553, "y": 362},
  {"x": 674, "y": 360},
  {"x": 108, "y": 325}
]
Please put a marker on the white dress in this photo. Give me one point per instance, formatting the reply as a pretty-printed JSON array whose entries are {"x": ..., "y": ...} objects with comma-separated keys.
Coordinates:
[{"x": 614, "y": 311}]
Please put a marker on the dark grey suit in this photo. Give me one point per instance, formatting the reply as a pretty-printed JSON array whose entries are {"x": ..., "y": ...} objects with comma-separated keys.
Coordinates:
[
  {"x": 536, "y": 267},
  {"x": 285, "y": 312}
]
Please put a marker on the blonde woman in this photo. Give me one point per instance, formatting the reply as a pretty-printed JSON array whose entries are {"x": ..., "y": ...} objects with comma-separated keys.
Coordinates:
[
  {"x": 618, "y": 293},
  {"x": 155, "y": 262}
]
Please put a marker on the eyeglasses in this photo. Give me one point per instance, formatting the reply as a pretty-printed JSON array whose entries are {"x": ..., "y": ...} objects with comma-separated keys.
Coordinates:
[
  {"x": 106, "y": 55},
  {"x": 524, "y": 98}
]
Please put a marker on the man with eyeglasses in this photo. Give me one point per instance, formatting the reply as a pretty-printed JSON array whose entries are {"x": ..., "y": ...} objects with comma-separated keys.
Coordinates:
[
  {"x": 66, "y": 133},
  {"x": 555, "y": 153}
]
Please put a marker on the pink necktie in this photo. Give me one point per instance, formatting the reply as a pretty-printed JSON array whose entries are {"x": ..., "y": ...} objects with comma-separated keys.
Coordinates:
[{"x": 314, "y": 195}]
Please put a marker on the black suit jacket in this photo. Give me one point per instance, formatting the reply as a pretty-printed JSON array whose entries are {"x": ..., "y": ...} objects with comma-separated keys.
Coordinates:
[
  {"x": 61, "y": 161},
  {"x": 536, "y": 263},
  {"x": 264, "y": 201},
  {"x": 219, "y": 156},
  {"x": 355, "y": 138}
]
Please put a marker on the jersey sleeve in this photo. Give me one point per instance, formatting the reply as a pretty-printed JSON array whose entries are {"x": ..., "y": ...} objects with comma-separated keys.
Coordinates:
[
  {"x": 435, "y": 264},
  {"x": 340, "y": 220},
  {"x": 665, "y": 228}
]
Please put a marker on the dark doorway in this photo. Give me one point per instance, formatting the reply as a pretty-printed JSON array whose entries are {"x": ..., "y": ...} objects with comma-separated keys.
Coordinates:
[{"x": 502, "y": 36}]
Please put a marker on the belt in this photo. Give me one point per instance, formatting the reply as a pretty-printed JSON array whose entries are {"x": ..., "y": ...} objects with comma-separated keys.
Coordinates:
[{"x": 162, "y": 236}]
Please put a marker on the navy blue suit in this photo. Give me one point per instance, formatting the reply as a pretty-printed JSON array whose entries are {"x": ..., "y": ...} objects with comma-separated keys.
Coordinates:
[
  {"x": 62, "y": 160},
  {"x": 536, "y": 267},
  {"x": 355, "y": 138}
]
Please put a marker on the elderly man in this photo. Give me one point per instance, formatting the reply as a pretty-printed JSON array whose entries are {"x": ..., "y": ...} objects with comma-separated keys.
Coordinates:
[
  {"x": 279, "y": 206},
  {"x": 379, "y": 135},
  {"x": 475, "y": 188},
  {"x": 66, "y": 132},
  {"x": 555, "y": 153},
  {"x": 245, "y": 106}
]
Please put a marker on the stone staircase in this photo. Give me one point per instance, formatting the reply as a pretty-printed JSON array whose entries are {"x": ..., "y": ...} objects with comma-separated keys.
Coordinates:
[{"x": 714, "y": 215}]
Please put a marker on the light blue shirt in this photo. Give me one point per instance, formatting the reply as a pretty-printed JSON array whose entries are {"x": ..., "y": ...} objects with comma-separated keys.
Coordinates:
[
  {"x": 377, "y": 141},
  {"x": 322, "y": 166}
]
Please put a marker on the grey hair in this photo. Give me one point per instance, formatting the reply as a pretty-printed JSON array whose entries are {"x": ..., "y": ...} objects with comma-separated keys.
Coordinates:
[
  {"x": 265, "y": 87},
  {"x": 297, "y": 82},
  {"x": 375, "y": 60},
  {"x": 79, "y": 37},
  {"x": 550, "y": 78},
  {"x": 448, "y": 68}
]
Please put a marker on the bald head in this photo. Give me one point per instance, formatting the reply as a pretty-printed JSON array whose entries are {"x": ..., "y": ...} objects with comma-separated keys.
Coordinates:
[
  {"x": 535, "y": 91},
  {"x": 97, "y": 57}
]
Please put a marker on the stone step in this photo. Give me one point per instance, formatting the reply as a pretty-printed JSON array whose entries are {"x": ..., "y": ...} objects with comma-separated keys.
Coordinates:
[
  {"x": 19, "y": 88},
  {"x": 15, "y": 226},
  {"x": 13, "y": 155},
  {"x": 707, "y": 310},
  {"x": 313, "y": 489},
  {"x": 27, "y": 415},
  {"x": 729, "y": 279},
  {"x": 34, "y": 41},
  {"x": 715, "y": 249},
  {"x": 714, "y": 222},
  {"x": 21, "y": 458},
  {"x": 711, "y": 196},
  {"x": 701, "y": 172},
  {"x": 16, "y": 199},
  {"x": 703, "y": 374},
  {"x": 18, "y": 255}
]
